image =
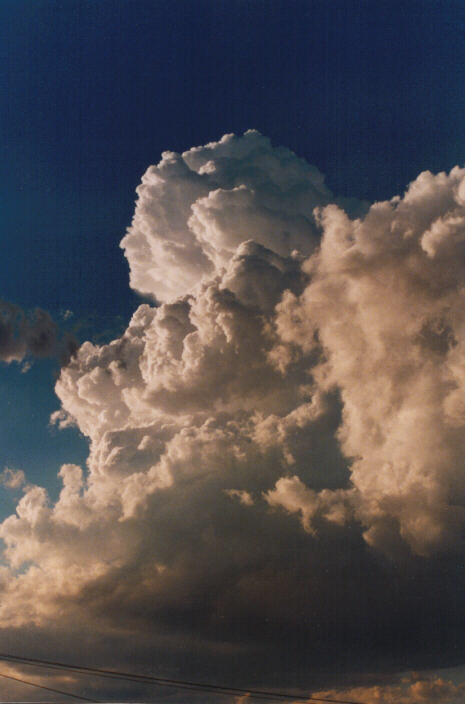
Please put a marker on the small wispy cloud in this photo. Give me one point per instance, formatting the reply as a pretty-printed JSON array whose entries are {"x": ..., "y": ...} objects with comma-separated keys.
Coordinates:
[{"x": 12, "y": 478}]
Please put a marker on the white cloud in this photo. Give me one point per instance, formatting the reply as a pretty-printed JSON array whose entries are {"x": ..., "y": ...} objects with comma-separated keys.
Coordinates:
[
  {"x": 291, "y": 494},
  {"x": 302, "y": 366},
  {"x": 385, "y": 304},
  {"x": 195, "y": 209},
  {"x": 243, "y": 496}
]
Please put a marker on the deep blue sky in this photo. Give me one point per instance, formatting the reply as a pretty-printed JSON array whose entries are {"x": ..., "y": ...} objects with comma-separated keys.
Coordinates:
[{"x": 93, "y": 90}]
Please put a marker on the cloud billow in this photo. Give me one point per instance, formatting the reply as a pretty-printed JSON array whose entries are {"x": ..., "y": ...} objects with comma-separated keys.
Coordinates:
[
  {"x": 271, "y": 440},
  {"x": 194, "y": 210}
]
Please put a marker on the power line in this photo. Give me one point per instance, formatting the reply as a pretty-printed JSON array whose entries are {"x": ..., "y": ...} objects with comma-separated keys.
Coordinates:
[
  {"x": 168, "y": 682},
  {"x": 49, "y": 689}
]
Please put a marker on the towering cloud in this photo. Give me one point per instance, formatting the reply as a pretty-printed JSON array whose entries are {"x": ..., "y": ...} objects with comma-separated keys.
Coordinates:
[
  {"x": 271, "y": 438},
  {"x": 196, "y": 209},
  {"x": 385, "y": 307}
]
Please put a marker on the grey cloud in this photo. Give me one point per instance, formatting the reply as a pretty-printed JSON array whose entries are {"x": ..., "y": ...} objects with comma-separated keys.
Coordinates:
[
  {"x": 32, "y": 334},
  {"x": 21, "y": 334}
]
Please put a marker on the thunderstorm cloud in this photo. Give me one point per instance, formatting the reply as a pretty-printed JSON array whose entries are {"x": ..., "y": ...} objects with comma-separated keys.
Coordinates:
[{"x": 275, "y": 478}]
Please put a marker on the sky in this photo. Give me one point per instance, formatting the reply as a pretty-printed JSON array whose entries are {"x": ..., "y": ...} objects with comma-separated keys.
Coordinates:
[{"x": 231, "y": 346}]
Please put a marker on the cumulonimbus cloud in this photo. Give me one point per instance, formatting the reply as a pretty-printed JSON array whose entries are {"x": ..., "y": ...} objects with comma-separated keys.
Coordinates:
[{"x": 289, "y": 412}]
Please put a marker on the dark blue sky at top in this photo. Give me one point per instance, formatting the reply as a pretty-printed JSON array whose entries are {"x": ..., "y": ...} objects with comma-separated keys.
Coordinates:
[{"x": 92, "y": 91}]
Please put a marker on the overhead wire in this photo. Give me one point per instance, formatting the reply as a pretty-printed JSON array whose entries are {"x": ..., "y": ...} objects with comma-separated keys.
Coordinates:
[
  {"x": 175, "y": 683},
  {"x": 49, "y": 689}
]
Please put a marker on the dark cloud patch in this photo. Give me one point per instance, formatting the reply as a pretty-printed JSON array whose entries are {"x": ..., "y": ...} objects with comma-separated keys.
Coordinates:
[{"x": 32, "y": 334}]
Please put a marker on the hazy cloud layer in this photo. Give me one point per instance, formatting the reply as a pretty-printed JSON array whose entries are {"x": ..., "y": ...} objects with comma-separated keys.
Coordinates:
[
  {"x": 275, "y": 479},
  {"x": 411, "y": 690}
]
